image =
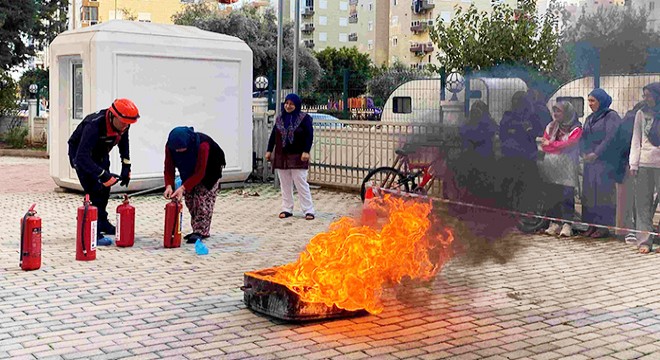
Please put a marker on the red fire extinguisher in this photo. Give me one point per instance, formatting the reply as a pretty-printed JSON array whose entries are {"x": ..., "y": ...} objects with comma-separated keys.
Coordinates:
[
  {"x": 173, "y": 220},
  {"x": 125, "y": 234},
  {"x": 86, "y": 232},
  {"x": 30, "y": 240}
]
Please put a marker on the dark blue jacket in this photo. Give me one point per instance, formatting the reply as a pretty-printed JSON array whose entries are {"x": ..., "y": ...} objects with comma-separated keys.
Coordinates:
[
  {"x": 91, "y": 142},
  {"x": 598, "y": 135}
]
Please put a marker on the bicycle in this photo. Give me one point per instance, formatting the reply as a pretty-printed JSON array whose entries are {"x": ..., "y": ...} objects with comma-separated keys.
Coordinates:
[
  {"x": 403, "y": 175},
  {"x": 407, "y": 176}
]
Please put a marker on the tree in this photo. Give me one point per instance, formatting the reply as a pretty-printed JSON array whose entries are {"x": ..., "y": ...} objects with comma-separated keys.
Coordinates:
[
  {"x": 26, "y": 26},
  {"x": 7, "y": 94},
  {"x": 482, "y": 40},
  {"x": 260, "y": 34},
  {"x": 34, "y": 76},
  {"x": 386, "y": 79},
  {"x": 621, "y": 34},
  {"x": 129, "y": 14},
  {"x": 333, "y": 62}
]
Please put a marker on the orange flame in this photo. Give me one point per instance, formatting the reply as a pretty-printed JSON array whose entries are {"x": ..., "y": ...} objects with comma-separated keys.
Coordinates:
[{"x": 350, "y": 265}]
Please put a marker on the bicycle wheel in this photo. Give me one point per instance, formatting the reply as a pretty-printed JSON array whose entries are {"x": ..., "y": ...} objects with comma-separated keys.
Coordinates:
[{"x": 385, "y": 177}]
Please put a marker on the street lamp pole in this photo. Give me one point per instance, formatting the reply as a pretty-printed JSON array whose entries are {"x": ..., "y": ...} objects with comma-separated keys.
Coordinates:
[
  {"x": 278, "y": 94},
  {"x": 296, "y": 44},
  {"x": 115, "y": 9}
]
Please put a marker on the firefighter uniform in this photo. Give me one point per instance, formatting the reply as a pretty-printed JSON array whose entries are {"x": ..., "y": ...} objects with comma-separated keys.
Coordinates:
[{"x": 89, "y": 154}]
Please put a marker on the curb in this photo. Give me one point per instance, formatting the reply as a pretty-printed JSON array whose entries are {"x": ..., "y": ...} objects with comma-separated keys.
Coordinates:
[{"x": 24, "y": 153}]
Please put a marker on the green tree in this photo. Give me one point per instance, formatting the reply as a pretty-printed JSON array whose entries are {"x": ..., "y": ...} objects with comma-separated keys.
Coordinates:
[
  {"x": 34, "y": 76},
  {"x": 482, "y": 40},
  {"x": 333, "y": 62},
  {"x": 7, "y": 94},
  {"x": 260, "y": 34},
  {"x": 621, "y": 34},
  {"x": 386, "y": 79},
  {"x": 26, "y": 26}
]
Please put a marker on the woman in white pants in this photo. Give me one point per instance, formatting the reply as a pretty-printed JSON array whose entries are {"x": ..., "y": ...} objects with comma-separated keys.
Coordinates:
[
  {"x": 288, "y": 148},
  {"x": 645, "y": 163}
]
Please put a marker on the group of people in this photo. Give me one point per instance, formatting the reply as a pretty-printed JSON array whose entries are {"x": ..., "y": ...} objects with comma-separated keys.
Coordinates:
[
  {"x": 197, "y": 157},
  {"x": 621, "y": 158}
]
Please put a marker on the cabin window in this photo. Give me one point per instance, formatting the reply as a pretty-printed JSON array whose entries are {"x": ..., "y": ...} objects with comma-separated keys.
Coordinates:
[{"x": 402, "y": 105}]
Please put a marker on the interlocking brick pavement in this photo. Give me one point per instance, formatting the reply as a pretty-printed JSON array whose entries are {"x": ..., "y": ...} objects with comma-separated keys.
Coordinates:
[{"x": 537, "y": 298}]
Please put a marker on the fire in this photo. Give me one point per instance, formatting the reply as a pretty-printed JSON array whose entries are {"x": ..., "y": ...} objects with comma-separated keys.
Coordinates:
[{"x": 350, "y": 265}]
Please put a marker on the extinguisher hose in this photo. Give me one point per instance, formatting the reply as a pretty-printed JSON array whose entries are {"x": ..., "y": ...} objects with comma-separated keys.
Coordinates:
[
  {"x": 23, "y": 236},
  {"x": 82, "y": 230}
]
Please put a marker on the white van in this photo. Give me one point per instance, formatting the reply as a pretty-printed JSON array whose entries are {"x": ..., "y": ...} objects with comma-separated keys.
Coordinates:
[{"x": 418, "y": 101}]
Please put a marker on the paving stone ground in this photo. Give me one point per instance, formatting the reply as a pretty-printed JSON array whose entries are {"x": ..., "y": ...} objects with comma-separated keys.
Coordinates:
[{"x": 539, "y": 298}]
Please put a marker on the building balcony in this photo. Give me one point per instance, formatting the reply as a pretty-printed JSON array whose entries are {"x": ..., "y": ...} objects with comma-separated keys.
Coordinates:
[
  {"x": 428, "y": 47},
  {"x": 422, "y": 6},
  {"x": 353, "y": 2},
  {"x": 353, "y": 37},
  {"x": 353, "y": 18},
  {"x": 90, "y": 3},
  {"x": 309, "y": 43},
  {"x": 421, "y": 48},
  {"x": 307, "y": 28},
  {"x": 308, "y": 12},
  {"x": 419, "y": 26}
]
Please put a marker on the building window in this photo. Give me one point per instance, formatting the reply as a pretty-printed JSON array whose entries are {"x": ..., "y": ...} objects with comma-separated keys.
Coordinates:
[
  {"x": 323, "y": 20},
  {"x": 90, "y": 13},
  {"x": 343, "y": 38},
  {"x": 395, "y": 2},
  {"x": 652, "y": 5},
  {"x": 323, "y": 4},
  {"x": 395, "y": 20},
  {"x": 309, "y": 3},
  {"x": 395, "y": 41},
  {"x": 371, "y": 6},
  {"x": 402, "y": 105},
  {"x": 343, "y": 5},
  {"x": 343, "y": 21},
  {"x": 371, "y": 26},
  {"x": 323, "y": 36},
  {"x": 370, "y": 44}
]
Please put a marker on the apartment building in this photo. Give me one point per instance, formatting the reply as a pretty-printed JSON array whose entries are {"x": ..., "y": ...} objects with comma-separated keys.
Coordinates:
[
  {"x": 90, "y": 12},
  {"x": 344, "y": 23}
]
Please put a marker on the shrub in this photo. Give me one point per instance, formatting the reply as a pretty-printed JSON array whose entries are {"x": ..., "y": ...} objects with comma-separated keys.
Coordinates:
[{"x": 15, "y": 137}]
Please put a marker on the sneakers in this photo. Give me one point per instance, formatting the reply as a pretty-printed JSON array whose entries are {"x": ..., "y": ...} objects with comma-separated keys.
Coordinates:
[
  {"x": 566, "y": 230},
  {"x": 103, "y": 241},
  {"x": 553, "y": 229},
  {"x": 631, "y": 239}
]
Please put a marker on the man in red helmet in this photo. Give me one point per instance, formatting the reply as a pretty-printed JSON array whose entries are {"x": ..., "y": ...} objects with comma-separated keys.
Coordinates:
[{"x": 89, "y": 150}]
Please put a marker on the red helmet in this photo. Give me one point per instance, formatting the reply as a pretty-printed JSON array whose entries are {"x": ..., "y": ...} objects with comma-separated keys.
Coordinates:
[{"x": 125, "y": 110}]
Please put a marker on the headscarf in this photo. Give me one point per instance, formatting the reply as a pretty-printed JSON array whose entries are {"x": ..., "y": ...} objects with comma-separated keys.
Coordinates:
[
  {"x": 604, "y": 102},
  {"x": 179, "y": 138},
  {"x": 287, "y": 123},
  {"x": 652, "y": 130},
  {"x": 567, "y": 123}
]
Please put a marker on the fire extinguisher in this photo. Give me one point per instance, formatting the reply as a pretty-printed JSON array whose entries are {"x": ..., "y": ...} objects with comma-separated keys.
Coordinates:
[
  {"x": 125, "y": 234},
  {"x": 30, "y": 256},
  {"x": 173, "y": 220},
  {"x": 86, "y": 232}
]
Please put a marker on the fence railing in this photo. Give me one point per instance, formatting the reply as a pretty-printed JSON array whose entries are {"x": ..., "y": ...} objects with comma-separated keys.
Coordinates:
[{"x": 344, "y": 151}]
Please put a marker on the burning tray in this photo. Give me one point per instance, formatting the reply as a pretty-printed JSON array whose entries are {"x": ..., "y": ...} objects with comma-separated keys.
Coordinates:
[{"x": 276, "y": 300}]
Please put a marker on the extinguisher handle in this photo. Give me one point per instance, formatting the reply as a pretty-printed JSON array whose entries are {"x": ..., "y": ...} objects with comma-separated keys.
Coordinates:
[
  {"x": 125, "y": 199},
  {"x": 31, "y": 209}
]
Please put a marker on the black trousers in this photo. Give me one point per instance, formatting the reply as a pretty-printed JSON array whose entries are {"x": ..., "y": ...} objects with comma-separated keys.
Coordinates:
[{"x": 98, "y": 194}]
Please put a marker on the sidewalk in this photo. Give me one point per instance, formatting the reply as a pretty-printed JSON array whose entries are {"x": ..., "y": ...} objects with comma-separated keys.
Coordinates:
[{"x": 532, "y": 297}]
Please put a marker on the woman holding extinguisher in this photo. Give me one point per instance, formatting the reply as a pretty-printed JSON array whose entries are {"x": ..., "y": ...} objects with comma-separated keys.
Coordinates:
[{"x": 199, "y": 160}]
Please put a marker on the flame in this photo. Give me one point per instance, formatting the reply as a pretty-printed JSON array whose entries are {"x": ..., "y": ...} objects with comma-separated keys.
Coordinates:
[{"x": 350, "y": 265}]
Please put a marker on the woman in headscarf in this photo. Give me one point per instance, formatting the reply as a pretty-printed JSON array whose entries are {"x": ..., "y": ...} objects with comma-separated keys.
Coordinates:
[
  {"x": 475, "y": 165},
  {"x": 518, "y": 131},
  {"x": 199, "y": 160},
  {"x": 598, "y": 179},
  {"x": 288, "y": 148},
  {"x": 560, "y": 164},
  {"x": 645, "y": 163}
]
